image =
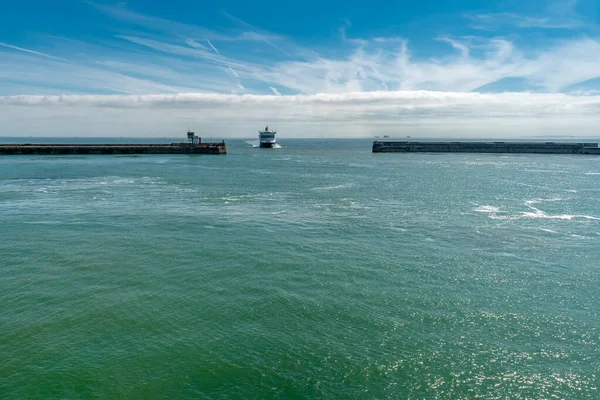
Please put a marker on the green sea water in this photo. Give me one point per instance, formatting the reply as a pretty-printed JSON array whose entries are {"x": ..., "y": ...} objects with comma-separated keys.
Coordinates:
[{"x": 316, "y": 270}]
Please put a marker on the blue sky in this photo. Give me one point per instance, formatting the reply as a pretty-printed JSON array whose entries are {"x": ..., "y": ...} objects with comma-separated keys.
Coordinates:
[{"x": 300, "y": 50}]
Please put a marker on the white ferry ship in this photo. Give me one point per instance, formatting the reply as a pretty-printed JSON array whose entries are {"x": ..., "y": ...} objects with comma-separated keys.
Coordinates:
[{"x": 266, "y": 138}]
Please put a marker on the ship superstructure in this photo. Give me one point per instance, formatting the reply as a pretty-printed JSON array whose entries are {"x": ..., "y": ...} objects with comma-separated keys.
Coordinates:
[{"x": 266, "y": 138}]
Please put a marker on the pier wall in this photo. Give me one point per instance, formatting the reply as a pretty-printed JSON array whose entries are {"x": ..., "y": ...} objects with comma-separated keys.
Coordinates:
[
  {"x": 486, "y": 147},
  {"x": 63, "y": 149}
]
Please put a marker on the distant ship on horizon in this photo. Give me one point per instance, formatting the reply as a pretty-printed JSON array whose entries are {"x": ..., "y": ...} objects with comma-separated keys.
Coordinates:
[{"x": 266, "y": 138}]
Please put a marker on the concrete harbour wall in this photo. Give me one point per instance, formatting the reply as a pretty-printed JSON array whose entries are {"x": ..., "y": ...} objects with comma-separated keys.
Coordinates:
[
  {"x": 63, "y": 149},
  {"x": 486, "y": 147}
]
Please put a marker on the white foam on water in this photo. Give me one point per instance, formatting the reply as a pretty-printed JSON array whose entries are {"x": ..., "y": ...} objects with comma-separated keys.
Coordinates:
[
  {"x": 589, "y": 217},
  {"x": 537, "y": 201},
  {"x": 487, "y": 209},
  {"x": 502, "y": 217},
  {"x": 549, "y": 231},
  {"x": 256, "y": 145},
  {"x": 541, "y": 214},
  {"x": 128, "y": 181},
  {"x": 534, "y": 213},
  {"x": 343, "y": 186},
  {"x": 537, "y": 213},
  {"x": 42, "y": 222}
]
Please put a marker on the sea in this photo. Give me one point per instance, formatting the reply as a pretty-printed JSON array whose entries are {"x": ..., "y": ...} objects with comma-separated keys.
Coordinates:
[{"x": 315, "y": 270}]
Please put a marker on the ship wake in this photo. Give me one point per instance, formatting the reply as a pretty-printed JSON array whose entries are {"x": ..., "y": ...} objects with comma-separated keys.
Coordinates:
[{"x": 256, "y": 146}]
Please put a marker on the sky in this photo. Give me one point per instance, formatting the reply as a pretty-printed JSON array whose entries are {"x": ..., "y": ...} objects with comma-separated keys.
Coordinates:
[{"x": 225, "y": 69}]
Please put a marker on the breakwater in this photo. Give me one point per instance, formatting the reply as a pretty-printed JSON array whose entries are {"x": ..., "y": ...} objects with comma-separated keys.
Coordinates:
[
  {"x": 63, "y": 149},
  {"x": 485, "y": 147}
]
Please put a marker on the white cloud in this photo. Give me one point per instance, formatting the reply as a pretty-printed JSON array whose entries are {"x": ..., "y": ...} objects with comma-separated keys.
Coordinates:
[
  {"x": 559, "y": 14},
  {"x": 363, "y": 114},
  {"x": 37, "y": 53},
  {"x": 497, "y": 20},
  {"x": 194, "y": 44},
  {"x": 464, "y": 50},
  {"x": 174, "y": 61},
  {"x": 212, "y": 47}
]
